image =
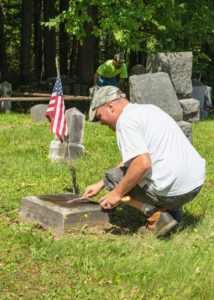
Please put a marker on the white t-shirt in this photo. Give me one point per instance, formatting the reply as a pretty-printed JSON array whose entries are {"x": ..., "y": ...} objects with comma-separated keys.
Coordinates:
[{"x": 177, "y": 168}]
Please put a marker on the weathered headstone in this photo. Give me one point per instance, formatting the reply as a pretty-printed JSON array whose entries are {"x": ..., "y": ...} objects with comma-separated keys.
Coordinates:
[
  {"x": 5, "y": 91},
  {"x": 155, "y": 89},
  {"x": 179, "y": 67},
  {"x": 76, "y": 123},
  {"x": 191, "y": 109},
  {"x": 59, "y": 151},
  {"x": 37, "y": 113},
  {"x": 55, "y": 212},
  {"x": 203, "y": 94},
  {"x": 137, "y": 70}
]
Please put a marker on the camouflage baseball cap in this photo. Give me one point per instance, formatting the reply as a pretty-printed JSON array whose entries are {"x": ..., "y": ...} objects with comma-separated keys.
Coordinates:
[
  {"x": 105, "y": 94},
  {"x": 119, "y": 57}
]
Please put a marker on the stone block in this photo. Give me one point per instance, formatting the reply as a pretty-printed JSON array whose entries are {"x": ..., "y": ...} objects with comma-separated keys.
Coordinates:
[
  {"x": 155, "y": 89},
  {"x": 54, "y": 212},
  {"x": 203, "y": 94},
  {"x": 191, "y": 109},
  {"x": 179, "y": 67},
  {"x": 37, "y": 113},
  {"x": 186, "y": 127},
  {"x": 5, "y": 91},
  {"x": 59, "y": 151},
  {"x": 137, "y": 70},
  {"x": 76, "y": 123}
]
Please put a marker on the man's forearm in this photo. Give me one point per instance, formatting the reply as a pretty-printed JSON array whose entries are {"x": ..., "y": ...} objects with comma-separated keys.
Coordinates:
[
  {"x": 120, "y": 83},
  {"x": 96, "y": 78},
  {"x": 136, "y": 171}
]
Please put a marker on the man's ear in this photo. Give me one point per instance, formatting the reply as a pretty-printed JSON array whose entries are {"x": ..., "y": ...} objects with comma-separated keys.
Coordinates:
[{"x": 111, "y": 106}]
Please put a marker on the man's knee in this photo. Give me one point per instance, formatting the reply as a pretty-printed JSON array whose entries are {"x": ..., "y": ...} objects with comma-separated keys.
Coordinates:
[{"x": 113, "y": 176}]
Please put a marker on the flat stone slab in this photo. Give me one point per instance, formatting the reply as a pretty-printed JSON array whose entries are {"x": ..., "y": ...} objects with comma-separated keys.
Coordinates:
[{"x": 55, "y": 212}]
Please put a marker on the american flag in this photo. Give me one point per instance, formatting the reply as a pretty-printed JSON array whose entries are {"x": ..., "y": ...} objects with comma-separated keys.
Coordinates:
[{"x": 56, "y": 111}]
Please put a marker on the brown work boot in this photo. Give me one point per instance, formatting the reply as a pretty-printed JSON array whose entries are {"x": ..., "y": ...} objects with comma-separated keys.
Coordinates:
[{"x": 161, "y": 223}]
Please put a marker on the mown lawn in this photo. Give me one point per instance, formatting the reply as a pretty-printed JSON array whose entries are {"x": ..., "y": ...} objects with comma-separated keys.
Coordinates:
[{"x": 107, "y": 262}]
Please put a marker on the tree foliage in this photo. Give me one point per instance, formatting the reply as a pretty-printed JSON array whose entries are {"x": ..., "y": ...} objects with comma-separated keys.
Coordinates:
[
  {"x": 166, "y": 24},
  {"x": 135, "y": 27}
]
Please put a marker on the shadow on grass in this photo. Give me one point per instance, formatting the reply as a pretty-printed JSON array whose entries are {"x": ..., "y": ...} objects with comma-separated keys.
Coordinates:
[
  {"x": 127, "y": 220},
  {"x": 71, "y": 190}
]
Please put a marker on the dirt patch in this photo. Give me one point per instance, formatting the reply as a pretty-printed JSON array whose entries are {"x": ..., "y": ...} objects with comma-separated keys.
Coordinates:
[{"x": 7, "y": 126}]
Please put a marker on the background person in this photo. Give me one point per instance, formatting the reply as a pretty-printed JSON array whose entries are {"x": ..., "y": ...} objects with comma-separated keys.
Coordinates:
[
  {"x": 107, "y": 72},
  {"x": 161, "y": 170}
]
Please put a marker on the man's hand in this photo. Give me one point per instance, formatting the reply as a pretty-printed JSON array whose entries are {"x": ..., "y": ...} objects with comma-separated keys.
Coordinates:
[
  {"x": 110, "y": 200},
  {"x": 94, "y": 189},
  {"x": 120, "y": 83}
]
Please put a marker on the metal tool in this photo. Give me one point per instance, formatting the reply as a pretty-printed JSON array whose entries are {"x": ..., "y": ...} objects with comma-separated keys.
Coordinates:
[{"x": 75, "y": 199}]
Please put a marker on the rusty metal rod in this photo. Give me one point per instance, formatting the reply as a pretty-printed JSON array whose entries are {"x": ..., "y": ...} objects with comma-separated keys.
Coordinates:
[
  {"x": 31, "y": 94},
  {"x": 83, "y": 98}
]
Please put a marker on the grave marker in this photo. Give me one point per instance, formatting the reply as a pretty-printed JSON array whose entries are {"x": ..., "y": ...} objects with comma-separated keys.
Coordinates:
[
  {"x": 76, "y": 123},
  {"x": 155, "y": 89},
  {"x": 5, "y": 91},
  {"x": 178, "y": 65},
  {"x": 37, "y": 113},
  {"x": 55, "y": 212}
]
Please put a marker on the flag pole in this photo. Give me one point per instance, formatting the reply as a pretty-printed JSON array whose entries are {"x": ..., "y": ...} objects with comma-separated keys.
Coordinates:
[
  {"x": 57, "y": 66},
  {"x": 73, "y": 173}
]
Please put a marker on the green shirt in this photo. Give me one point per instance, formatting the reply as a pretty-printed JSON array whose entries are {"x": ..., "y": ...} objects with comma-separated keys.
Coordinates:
[{"x": 108, "y": 70}]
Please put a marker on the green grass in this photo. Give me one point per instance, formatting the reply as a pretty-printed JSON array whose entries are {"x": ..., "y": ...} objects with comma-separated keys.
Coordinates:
[{"x": 107, "y": 262}]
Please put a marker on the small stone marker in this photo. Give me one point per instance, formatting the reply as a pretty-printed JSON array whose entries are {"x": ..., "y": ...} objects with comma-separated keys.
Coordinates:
[
  {"x": 37, "y": 113},
  {"x": 59, "y": 151},
  {"x": 55, "y": 212},
  {"x": 5, "y": 91},
  {"x": 203, "y": 94},
  {"x": 155, "y": 89},
  {"x": 76, "y": 123},
  {"x": 179, "y": 67}
]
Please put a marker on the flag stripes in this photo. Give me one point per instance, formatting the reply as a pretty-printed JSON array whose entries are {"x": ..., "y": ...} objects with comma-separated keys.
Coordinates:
[{"x": 56, "y": 111}]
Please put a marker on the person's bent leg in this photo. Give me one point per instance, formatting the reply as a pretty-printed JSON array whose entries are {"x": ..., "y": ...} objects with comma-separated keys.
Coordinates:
[{"x": 158, "y": 220}]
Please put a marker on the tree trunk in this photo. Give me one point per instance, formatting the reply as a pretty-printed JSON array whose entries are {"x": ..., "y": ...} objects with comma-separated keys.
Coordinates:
[
  {"x": 63, "y": 41},
  {"x": 37, "y": 40},
  {"x": 142, "y": 55},
  {"x": 132, "y": 59},
  {"x": 3, "y": 55},
  {"x": 86, "y": 52},
  {"x": 73, "y": 57},
  {"x": 26, "y": 24},
  {"x": 49, "y": 40}
]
